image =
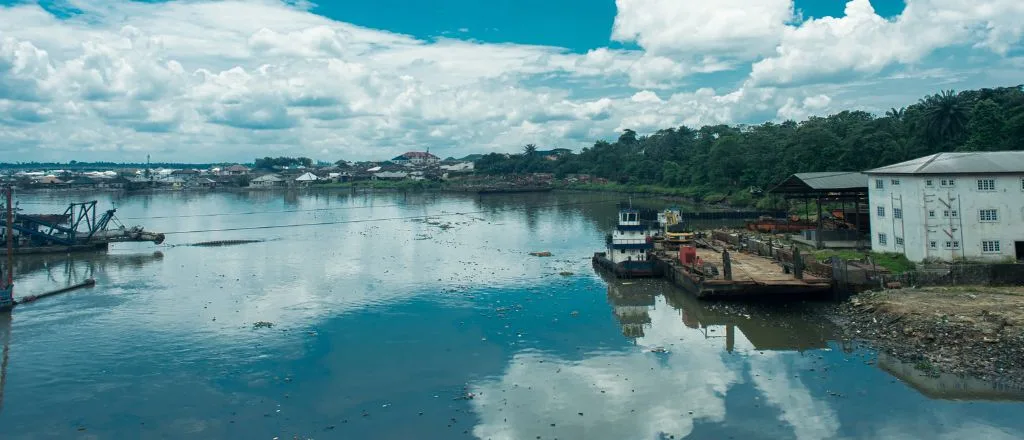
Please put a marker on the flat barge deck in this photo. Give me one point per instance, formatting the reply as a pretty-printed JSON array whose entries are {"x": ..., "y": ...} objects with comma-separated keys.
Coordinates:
[{"x": 745, "y": 276}]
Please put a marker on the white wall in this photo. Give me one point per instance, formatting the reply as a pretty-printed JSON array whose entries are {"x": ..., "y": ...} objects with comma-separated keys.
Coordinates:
[{"x": 917, "y": 197}]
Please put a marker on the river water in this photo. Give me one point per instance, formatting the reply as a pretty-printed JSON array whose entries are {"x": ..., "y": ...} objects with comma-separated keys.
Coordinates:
[{"x": 389, "y": 310}]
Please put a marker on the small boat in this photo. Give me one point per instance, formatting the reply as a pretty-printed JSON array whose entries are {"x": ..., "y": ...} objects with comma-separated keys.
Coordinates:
[{"x": 630, "y": 248}]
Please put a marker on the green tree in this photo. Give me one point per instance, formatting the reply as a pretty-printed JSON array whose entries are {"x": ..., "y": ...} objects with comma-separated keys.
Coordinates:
[
  {"x": 987, "y": 127},
  {"x": 945, "y": 116}
]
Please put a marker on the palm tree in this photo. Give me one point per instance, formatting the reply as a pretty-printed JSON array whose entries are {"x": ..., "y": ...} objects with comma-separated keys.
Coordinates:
[
  {"x": 530, "y": 149},
  {"x": 945, "y": 116},
  {"x": 896, "y": 114}
]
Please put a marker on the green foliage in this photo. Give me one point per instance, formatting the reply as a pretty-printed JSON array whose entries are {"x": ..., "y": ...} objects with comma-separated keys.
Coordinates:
[
  {"x": 724, "y": 161},
  {"x": 895, "y": 263},
  {"x": 271, "y": 163}
]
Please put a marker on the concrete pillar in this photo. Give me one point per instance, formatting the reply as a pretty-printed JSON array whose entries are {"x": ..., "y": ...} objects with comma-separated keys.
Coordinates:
[
  {"x": 726, "y": 265},
  {"x": 730, "y": 337},
  {"x": 798, "y": 264}
]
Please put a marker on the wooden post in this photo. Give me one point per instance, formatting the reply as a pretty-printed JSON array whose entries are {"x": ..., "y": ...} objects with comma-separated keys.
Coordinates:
[
  {"x": 770, "y": 250},
  {"x": 726, "y": 265},
  {"x": 821, "y": 224},
  {"x": 730, "y": 337},
  {"x": 798, "y": 264},
  {"x": 856, "y": 213}
]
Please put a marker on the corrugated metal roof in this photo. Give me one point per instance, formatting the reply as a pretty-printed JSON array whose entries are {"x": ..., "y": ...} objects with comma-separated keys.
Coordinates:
[
  {"x": 833, "y": 181},
  {"x": 980, "y": 162}
]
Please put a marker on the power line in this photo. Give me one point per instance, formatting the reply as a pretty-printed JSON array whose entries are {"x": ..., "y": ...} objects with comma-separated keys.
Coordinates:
[
  {"x": 274, "y": 212},
  {"x": 370, "y": 220}
]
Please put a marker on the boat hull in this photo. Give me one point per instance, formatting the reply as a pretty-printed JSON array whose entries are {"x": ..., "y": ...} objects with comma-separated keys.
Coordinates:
[{"x": 625, "y": 269}]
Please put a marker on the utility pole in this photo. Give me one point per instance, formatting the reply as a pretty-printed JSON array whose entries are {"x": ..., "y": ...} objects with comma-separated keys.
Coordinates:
[{"x": 7, "y": 289}]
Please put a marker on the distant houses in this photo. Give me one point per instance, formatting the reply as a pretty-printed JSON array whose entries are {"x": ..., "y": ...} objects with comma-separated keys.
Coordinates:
[
  {"x": 267, "y": 181},
  {"x": 416, "y": 158}
]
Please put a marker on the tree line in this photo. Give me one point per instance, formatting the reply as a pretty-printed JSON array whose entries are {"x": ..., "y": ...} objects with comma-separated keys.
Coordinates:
[{"x": 725, "y": 159}]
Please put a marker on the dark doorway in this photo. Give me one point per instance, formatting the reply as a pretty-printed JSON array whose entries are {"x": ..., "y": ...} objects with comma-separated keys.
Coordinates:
[{"x": 1020, "y": 251}]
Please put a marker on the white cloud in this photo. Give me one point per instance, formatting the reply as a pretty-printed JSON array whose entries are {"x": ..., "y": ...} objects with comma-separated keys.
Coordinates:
[
  {"x": 862, "y": 42},
  {"x": 735, "y": 27},
  {"x": 225, "y": 80}
]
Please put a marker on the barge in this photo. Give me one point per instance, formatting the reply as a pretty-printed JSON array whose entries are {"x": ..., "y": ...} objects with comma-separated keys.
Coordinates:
[
  {"x": 79, "y": 228},
  {"x": 710, "y": 272},
  {"x": 630, "y": 248}
]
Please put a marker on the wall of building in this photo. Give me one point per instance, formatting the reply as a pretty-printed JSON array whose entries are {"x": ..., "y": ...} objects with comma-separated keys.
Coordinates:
[{"x": 941, "y": 216}]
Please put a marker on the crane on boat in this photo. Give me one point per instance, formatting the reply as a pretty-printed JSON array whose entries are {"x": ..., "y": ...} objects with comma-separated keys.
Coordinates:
[{"x": 79, "y": 228}]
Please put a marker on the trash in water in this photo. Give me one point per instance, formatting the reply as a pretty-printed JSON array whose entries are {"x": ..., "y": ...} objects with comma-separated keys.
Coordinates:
[
  {"x": 566, "y": 274},
  {"x": 262, "y": 324},
  {"x": 541, "y": 254}
]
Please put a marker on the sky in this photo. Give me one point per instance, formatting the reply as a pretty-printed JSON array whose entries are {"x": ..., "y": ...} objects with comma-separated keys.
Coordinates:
[{"x": 215, "y": 81}]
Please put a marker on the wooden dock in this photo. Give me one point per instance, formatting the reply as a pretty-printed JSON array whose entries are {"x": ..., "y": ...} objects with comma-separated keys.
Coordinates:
[{"x": 746, "y": 275}]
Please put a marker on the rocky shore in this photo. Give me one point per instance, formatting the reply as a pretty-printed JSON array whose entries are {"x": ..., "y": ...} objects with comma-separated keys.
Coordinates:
[{"x": 973, "y": 331}]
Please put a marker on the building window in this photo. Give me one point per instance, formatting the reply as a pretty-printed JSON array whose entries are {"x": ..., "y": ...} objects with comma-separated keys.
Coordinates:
[
  {"x": 986, "y": 184},
  {"x": 949, "y": 213},
  {"x": 988, "y": 215},
  {"x": 622, "y": 251},
  {"x": 881, "y": 211},
  {"x": 897, "y": 213},
  {"x": 928, "y": 182},
  {"x": 882, "y": 239},
  {"x": 931, "y": 213},
  {"x": 990, "y": 246},
  {"x": 899, "y": 241},
  {"x": 933, "y": 244},
  {"x": 895, "y": 182},
  {"x": 879, "y": 184},
  {"x": 953, "y": 244},
  {"x": 947, "y": 182}
]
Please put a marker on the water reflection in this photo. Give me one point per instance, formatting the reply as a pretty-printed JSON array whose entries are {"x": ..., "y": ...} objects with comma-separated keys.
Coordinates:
[
  {"x": 679, "y": 376},
  {"x": 947, "y": 386},
  {"x": 397, "y": 317}
]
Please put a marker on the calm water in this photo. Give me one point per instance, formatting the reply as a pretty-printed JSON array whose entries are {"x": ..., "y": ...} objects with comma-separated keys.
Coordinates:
[{"x": 381, "y": 328}]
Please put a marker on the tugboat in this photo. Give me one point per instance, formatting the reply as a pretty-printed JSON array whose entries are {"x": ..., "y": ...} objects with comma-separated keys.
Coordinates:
[{"x": 630, "y": 248}]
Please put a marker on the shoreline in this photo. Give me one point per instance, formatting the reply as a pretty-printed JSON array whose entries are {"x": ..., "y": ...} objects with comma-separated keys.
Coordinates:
[
  {"x": 387, "y": 188},
  {"x": 975, "y": 332}
]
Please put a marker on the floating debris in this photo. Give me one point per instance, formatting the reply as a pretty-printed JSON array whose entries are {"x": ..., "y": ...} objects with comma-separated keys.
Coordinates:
[
  {"x": 658, "y": 350},
  {"x": 566, "y": 274},
  {"x": 224, "y": 243},
  {"x": 541, "y": 254},
  {"x": 262, "y": 324}
]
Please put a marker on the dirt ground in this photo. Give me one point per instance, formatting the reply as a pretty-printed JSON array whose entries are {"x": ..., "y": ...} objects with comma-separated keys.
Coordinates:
[{"x": 978, "y": 331}]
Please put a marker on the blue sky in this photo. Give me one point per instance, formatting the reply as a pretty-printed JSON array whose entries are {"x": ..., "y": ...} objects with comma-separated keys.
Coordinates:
[
  {"x": 578, "y": 25},
  {"x": 229, "y": 80}
]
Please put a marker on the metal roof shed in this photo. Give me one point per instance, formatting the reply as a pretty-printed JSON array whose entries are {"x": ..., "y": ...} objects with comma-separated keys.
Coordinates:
[
  {"x": 829, "y": 185},
  {"x": 832, "y": 186}
]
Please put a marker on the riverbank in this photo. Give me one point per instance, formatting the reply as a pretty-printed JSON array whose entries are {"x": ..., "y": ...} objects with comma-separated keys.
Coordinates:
[{"x": 974, "y": 331}]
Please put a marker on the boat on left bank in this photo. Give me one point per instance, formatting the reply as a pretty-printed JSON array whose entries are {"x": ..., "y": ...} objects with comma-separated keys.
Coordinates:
[
  {"x": 630, "y": 248},
  {"x": 79, "y": 228}
]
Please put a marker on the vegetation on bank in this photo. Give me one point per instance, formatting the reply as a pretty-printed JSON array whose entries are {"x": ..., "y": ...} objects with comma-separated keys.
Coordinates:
[
  {"x": 387, "y": 184},
  {"x": 895, "y": 263},
  {"x": 740, "y": 161}
]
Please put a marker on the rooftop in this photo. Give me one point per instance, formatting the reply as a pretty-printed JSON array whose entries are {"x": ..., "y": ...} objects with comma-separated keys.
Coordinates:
[
  {"x": 833, "y": 181},
  {"x": 982, "y": 162}
]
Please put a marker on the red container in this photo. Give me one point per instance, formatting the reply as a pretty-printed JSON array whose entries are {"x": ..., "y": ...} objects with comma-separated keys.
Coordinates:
[{"x": 687, "y": 255}]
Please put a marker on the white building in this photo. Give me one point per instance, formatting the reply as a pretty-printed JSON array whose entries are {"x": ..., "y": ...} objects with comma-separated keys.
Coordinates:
[
  {"x": 950, "y": 206},
  {"x": 416, "y": 158}
]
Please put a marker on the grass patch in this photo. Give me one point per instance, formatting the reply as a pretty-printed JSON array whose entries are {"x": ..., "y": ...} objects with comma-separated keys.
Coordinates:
[{"x": 895, "y": 263}]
